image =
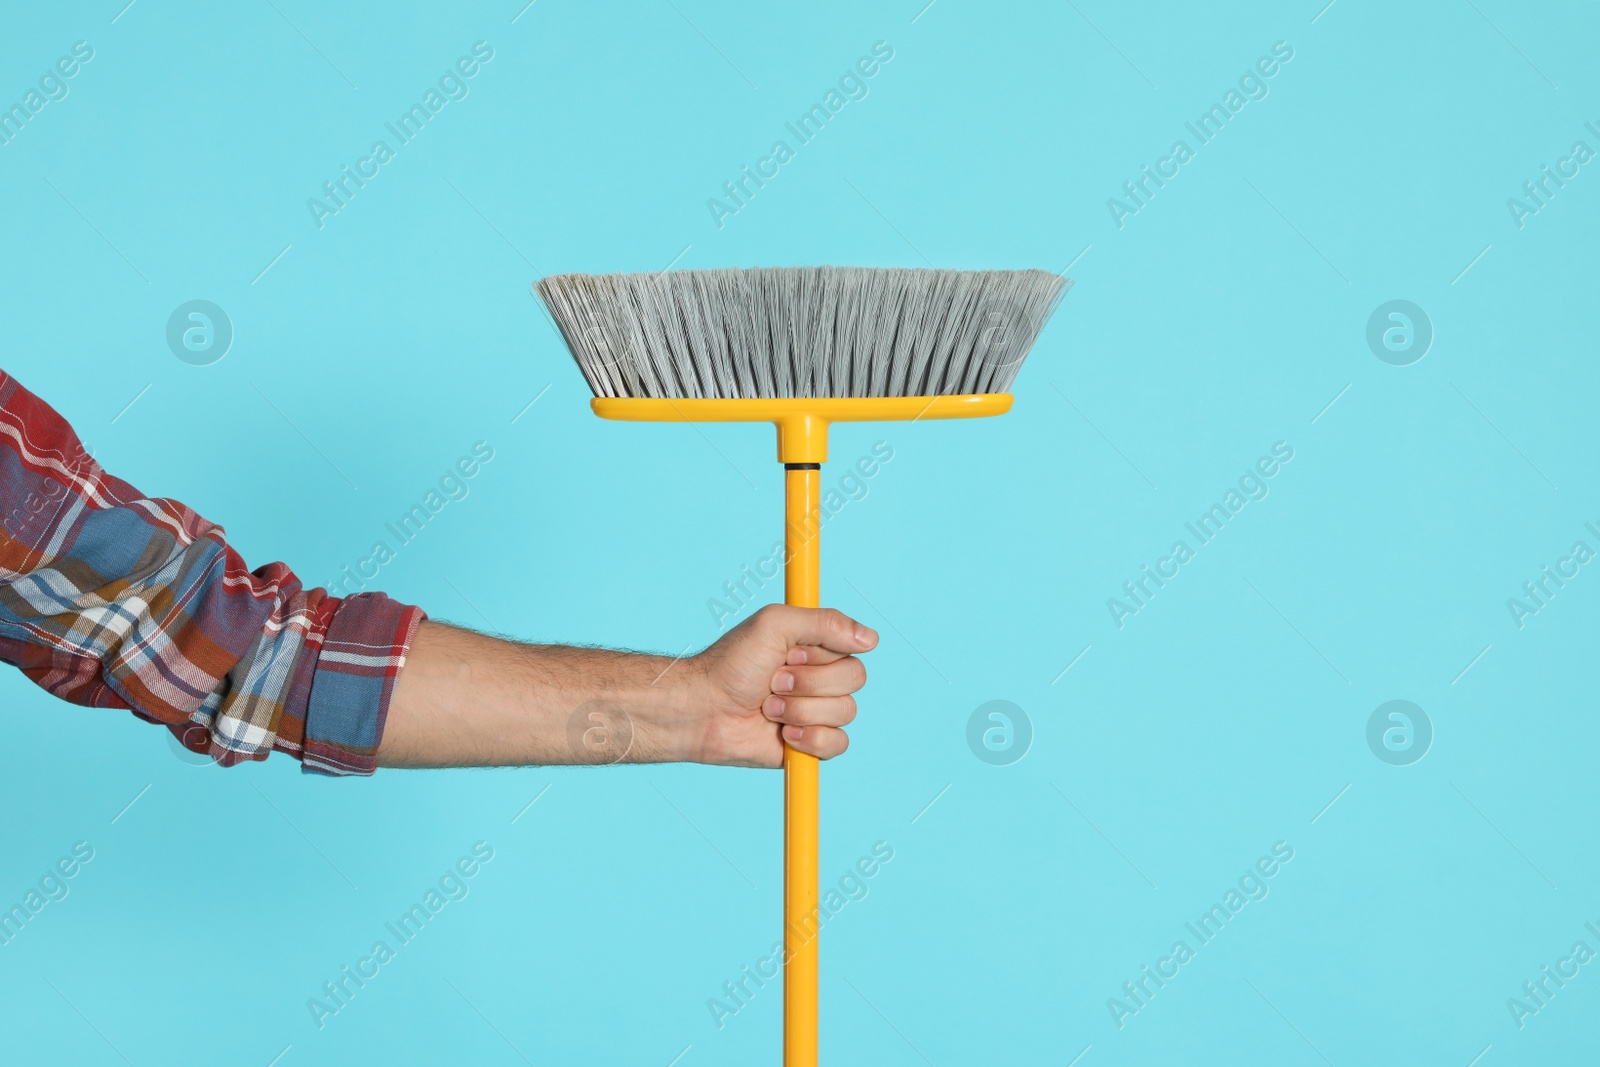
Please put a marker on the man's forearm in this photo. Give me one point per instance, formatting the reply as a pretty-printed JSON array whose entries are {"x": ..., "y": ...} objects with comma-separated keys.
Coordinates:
[
  {"x": 784, "y": 675},
  {"x": 467, "y": 699}
]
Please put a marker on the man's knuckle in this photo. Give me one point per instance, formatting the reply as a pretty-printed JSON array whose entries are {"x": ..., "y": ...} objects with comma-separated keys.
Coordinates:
[{"x": 769, "y": 617}]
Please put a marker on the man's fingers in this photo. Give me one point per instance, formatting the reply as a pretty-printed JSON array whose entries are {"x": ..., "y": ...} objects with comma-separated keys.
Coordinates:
[
  {"x": 810, "y": 711},
  {"x": 818, "y": 626},
  {"x": 813, "y": 654},
  {"x": 839, "y": 678},
  {"x": 823, "y": 742}
]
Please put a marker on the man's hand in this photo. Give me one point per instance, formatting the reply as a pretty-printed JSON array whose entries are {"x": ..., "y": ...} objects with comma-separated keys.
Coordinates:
[
  {"x": 783, "y": 669},
  {"x": 465, "y": 699}
]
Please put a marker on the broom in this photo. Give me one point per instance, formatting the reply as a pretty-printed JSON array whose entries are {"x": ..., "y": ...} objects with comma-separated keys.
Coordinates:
[{"x": 801, "y": 347}]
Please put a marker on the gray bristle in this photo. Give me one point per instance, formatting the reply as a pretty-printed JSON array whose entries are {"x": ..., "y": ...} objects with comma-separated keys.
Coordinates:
[{"x": 801, "y": 331}]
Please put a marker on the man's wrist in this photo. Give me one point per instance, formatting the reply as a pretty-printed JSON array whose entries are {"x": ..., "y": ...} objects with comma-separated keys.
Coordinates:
[{"x": 666, "y": 712}]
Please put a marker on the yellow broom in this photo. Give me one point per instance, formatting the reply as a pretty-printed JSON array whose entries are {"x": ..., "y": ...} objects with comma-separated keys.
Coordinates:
[{"x": 802, "y": 348}]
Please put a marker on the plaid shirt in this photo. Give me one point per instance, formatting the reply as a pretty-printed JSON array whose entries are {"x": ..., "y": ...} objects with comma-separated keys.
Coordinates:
[{"x": 112, "y": 599}]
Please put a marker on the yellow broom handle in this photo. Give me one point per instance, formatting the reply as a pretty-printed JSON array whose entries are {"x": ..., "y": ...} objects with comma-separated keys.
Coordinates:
[{"x": 801, "y": 919}]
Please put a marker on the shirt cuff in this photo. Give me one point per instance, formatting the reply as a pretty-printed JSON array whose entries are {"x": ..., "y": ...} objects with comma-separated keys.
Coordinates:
[{"x": 364, "y": 642}]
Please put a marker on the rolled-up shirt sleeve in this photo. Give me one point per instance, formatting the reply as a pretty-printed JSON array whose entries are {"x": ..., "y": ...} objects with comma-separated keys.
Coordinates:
[{"x": 109, "y": 598}]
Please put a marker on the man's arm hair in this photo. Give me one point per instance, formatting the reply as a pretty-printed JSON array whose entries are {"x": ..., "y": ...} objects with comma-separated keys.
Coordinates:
[
  {"x": 783, "y": 675},
  {"x": 469, "y": 699}
]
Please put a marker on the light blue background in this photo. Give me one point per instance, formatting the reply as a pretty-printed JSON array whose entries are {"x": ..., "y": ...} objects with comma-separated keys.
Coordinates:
[{"x": 1224, "y": 317}]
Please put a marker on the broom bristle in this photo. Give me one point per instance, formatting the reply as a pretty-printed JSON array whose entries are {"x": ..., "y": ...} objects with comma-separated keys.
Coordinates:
[{"x": 801, "y": 331}]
